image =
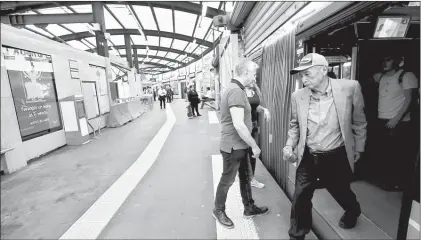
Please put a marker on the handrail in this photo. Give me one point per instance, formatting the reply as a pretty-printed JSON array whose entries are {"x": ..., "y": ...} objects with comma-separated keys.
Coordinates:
[{"x": 5, "y": 150}]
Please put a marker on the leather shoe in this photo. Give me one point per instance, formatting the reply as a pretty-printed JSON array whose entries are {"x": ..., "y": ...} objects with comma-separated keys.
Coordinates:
[
  {"x": 348, "y": 221},
  {"x": 222, "y": 218},
  {"x": 255, "y": 211}
]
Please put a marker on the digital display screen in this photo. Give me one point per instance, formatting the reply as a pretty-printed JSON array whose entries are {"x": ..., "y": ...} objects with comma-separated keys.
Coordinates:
[
  {"x": 32, "y": 83},
  {"x": 392, "y": 26}
]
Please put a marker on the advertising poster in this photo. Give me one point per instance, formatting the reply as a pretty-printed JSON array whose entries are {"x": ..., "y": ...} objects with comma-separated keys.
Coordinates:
[{"x": 34, "y": 94}]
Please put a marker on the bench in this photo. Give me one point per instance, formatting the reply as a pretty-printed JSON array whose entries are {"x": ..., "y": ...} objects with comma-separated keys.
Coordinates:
[{"x": 3, "y": 151}]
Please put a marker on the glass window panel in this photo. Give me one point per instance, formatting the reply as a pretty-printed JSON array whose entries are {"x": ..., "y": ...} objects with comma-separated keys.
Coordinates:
[
  {"x": 165, "y": 62},
  {"x": 57, "y": 30},
  {"x": 92, "y": 40},
  {"x": 166, "y": 42},
  {"x": 122, "y": 51},
  {"x": 161, "y": 54},
  {"x": 202, "y": 28},
  {"x": 82, "y": 8},
  {"x": 110, "y": 22},
  {"x": 212, "y": 4},
  {"x": 141, "y": 51},
  {"x": 164, "y": 17},
  {"x": 172, "y": 55},
  {"x": 36, "y": 29},
  {"x": 145, "y": 16},
  {"x": 138, "y": 39},
  {"x": 29, "y": 12},
  {"x": 184, "y": 22},
  {"x": 152, "y": 52},
  {"x": 191, "y": 47},
  {"x": 77, "y": 27},
  {"x": 154, "y": 60},
  {"x": 153, "y": 41},
  {"x": 179, "y": 44},
  {"x": 123, "y": 15},
  {"x": 117, "y": 39},
  {"x": 78, "y": 45},
  {"x": 88, "y": 43},
  {"x": 57, "y": 10},
  {"x": 198, "y": 51}
]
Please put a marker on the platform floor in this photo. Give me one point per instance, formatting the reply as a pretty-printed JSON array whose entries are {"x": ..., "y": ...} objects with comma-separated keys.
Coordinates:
[{"x": 152, "y": 178}]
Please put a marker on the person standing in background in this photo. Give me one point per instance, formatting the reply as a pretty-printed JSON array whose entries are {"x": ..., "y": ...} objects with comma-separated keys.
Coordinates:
[
  {"x": 194, "y": 100},
  {"x": 162, "y": 94},
  {"x": 235, "y": 140},
  {"x": 397, "y": 97},
  {"x": 254, "y": 96}
]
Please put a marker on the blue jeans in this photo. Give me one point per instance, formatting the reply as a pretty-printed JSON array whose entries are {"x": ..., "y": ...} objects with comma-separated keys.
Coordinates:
[{"x": 236, "y": 161}]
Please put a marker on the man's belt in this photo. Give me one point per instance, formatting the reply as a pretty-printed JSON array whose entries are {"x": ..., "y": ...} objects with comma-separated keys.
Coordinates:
[{"x": 325, "y": 153}]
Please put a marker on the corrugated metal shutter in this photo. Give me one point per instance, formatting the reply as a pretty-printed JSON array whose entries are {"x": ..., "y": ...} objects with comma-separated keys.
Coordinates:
[
  {"x": 277, "y": 86},
  {"x": 336, "y": 14},
  {"x": 266, "y": 18}
]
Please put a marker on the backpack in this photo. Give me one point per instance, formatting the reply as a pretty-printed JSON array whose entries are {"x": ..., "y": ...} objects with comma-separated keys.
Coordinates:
[{"x": 414, "y": 107}]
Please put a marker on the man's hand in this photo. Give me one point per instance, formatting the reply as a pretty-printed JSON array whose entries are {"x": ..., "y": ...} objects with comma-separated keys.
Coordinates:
[
  {"x": 256, "y": 152},
  {"x": 357, "y": 156},
  {"x": 289, "y": 155},
  {"x": 392, "y": 123},
  {"x": 267, "y": 114}
]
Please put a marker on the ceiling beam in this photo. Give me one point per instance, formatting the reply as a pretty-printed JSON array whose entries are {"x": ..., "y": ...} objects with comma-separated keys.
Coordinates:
[
  {"x": 32, "y": 19},
  {"x": 156, "y": 57},
  {"x": 81, "y": 35},
  {"x": 158, "y": 65},
  {"x": 155, "y": 48},
  {"x": 19, "y": 7}
]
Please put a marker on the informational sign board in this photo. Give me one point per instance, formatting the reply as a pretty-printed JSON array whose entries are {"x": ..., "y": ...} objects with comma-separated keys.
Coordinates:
[
  {"x": 32, "y": 82},
  {"x": 336, "y": 59}
]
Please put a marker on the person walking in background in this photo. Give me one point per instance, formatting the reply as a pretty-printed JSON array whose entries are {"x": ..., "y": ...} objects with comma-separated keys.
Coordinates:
[
  {"x": 154, "y": 94},
  {"x": 328, "y": 132},
  {"x": 194, "y": 100},
  {"x": 254, "y": 96},
  {"x": 235, "y": 140},
  {"x": 162, "y": 94},
  {"x": 185, "y": 93},
  {"x": 208, "y": 97}
]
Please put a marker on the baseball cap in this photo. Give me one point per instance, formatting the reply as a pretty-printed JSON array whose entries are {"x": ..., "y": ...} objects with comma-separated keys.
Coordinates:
[{"x": 308, "y": 61}]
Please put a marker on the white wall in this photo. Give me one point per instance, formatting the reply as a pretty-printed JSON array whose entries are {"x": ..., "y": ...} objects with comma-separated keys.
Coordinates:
[{"x": 65, "y": 87}]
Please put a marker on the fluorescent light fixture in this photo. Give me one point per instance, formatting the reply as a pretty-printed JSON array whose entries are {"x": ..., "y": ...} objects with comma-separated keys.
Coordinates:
[
  {"x": 204, "y": 9},
  {"x": 135, "y": 19}
]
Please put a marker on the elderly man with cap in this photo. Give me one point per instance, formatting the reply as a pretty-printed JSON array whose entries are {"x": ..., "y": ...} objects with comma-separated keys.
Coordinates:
[{"x": 328, "y": 134}]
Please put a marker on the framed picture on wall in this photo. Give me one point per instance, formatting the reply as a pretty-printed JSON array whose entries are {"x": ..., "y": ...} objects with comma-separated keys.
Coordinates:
[
  {"x": 73, "y": 64},
  {"x": 74, "y": 74}
]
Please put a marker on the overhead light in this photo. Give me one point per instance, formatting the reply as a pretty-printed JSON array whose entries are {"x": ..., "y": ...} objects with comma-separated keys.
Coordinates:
[{"x": 204, "y": 9}]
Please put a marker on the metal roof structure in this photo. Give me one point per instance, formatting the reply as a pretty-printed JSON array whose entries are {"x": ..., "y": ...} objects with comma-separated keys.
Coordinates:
[{"x": 164, "y": 35}]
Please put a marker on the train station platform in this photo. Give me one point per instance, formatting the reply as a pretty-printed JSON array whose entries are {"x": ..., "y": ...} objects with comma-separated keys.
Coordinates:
[{"x": 154, "y": 177}]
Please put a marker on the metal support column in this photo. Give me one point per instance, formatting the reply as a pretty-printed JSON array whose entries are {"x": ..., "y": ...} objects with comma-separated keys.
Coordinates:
[
  {"x": 136, "y": 60},
  {"x": 101, "y": 42},
  {"x": 128, "y": 45}
]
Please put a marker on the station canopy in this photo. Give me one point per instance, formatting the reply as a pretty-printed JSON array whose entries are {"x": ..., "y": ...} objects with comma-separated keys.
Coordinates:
[{"x": 166, "y": 35}]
